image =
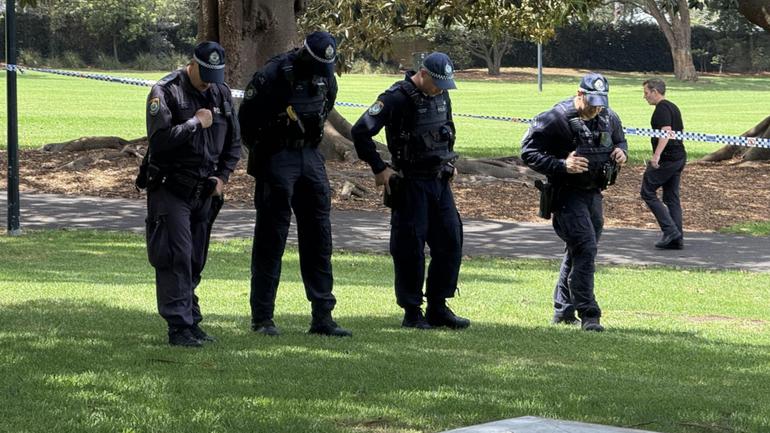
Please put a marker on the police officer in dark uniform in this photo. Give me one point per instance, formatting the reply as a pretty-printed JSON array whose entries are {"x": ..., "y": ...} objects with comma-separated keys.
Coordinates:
[
  {"x": 579, "y": 145},
  {"x": 417, "y": 115},
  {"x": 282, "y": 118},
  {"x": 194, "y": 145}
]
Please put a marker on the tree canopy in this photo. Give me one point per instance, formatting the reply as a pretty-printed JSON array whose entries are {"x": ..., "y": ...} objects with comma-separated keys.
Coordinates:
[{"x": 369, "y": 25}]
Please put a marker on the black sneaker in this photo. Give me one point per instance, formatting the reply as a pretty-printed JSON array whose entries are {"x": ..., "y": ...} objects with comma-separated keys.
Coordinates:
[
  {"x": 441, "y": 315},
  {"x": 328, "y": 327},
  {"x": 413, "y": 318},
  {"x": 201, "y": 335},
  {"x": 182, "y": 337},
  {"x": 568, "y": 319},
  {"x": 266, "y": 327},
  {"x": 592, "y": 324}
]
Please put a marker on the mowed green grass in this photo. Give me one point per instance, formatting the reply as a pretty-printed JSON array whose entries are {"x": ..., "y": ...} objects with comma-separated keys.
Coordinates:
[
  {"x": 55, "y": 108},
  {"x": 83, "y": 350}
]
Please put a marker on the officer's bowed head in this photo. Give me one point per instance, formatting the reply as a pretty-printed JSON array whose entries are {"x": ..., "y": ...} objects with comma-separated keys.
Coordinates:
[
  {"x": 595, "y": 88},
  {"x": 440, "y": 69},
  {"x": 322, "y": 48},
  {"x": 210, "y": 57}
]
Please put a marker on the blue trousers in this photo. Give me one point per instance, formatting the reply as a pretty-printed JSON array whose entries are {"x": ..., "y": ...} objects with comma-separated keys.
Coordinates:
[
  {"x": 177, "y": 245},
  {"x": 424, "y": 213},
  {"x": 294, "y": 180},
  {"x": 578, "y": 221}
]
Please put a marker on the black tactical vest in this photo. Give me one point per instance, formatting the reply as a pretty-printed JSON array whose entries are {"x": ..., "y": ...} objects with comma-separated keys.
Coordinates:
[
  {"x": 424, "y": 139},
  {"x": 307, "y": 99},
  {"x": 595, "y": 144}
]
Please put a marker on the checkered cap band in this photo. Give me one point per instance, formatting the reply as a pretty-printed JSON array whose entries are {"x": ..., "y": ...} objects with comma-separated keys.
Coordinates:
[
  {"x": 206, "y": 65},
  {"x": 317, "y": 57}
]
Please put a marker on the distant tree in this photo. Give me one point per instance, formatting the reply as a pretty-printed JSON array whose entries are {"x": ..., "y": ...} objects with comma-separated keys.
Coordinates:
[{"x": 673, "y": 18}]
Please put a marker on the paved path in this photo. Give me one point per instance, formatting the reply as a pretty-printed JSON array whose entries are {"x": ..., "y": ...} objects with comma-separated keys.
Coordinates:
[{"x": 369, "y": 231}]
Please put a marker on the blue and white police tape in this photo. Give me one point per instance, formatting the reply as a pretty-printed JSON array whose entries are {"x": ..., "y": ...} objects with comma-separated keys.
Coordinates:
[
  {"x": 644, "y": 132},
  {"x": 13, "y": 68}
]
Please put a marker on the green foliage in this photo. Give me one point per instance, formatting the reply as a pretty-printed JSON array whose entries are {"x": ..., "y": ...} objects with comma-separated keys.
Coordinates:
[
  {"x": 370, "y": 25},
  {"x": 104, "y": 61},
  {"x": 31, "y": 57},
  {"x": 82, "y": 343},
  {"x": 117, "y": 27},
  {"x": 68, "y": 60},
  {"x": 159, "y": 62}
]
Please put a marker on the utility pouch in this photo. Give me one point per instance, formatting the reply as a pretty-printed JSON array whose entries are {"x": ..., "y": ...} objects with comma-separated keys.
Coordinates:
[{"x": 547, "y": 196}]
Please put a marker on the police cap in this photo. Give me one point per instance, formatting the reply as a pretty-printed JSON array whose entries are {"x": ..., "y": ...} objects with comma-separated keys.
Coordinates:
[
  {"x": 596, "y": 89},
  {"x": 440, "y": 69},
  {"x": 211, "y": 58}
]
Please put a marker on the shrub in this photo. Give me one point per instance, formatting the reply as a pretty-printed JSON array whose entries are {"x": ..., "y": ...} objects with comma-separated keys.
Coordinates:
[
  {"x": 68, "y": 60},
  {"x": 30, "y": 57},
  {"x": 159, "y": 62},
  {"x": 103, "y": 61}
]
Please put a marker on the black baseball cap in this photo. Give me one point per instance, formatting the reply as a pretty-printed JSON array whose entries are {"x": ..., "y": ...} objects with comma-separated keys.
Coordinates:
[
  {"x": 596, "y": 89},
  {"x": 440, "y": 68},
  {"x": 210, "y": 56}
]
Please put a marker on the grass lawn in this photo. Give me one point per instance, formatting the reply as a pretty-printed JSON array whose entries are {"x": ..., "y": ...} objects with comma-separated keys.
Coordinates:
[
  {"x": 83, "y": 350},
  {"x": 55, "y": 108},
  {"x": 751, "y": 228}
]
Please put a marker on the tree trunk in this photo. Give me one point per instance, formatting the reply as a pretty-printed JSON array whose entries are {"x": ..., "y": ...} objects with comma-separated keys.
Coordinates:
[
  {"x": 250, "y": 31},
  {"x": 675, "y": 25},
  {"x": 115, "y": 47},
  {"x": 762, "y": 130},
  {"x": 684, "y": 68}
]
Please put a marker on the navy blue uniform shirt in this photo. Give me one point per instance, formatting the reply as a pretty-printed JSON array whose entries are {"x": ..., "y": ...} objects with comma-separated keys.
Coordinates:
[
  {"x": 176, "y": 138},
  {"x": 550, "y": 139},
  {"x": 391, "y": 106},
  {"x": 267, "y": 95}
]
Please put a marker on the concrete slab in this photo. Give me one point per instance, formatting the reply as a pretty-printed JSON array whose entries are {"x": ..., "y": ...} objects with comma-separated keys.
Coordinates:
[{"x": 533, "y": 424}]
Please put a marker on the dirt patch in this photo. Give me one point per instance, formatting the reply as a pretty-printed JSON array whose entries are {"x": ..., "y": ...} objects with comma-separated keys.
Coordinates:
[{"x": 714, "y": 195}]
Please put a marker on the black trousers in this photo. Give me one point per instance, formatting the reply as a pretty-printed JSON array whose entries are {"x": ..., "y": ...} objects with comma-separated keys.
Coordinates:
[
  {"x": 425, "y": 213},
  {"x": 294, "y": 180},
  {"x": 177, "y": 245},
  {"x": 578, "y": 221},
  {"x": 668, "y": 176}
]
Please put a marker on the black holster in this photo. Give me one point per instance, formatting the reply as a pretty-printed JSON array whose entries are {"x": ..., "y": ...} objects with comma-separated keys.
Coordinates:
[
  {"x": 547, "y": 198},
  {"x": 392, "y": 198}
]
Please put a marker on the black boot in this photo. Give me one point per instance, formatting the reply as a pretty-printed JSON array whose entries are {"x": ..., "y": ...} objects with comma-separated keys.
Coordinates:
[
  {"x": 323, "y": 324},
  {"x": 592, "y": 324},
  {"x": 266, "y": 327},
  {"x": 182, "y": 336},
  {"x": 438, "y": 315},
  {"x": 413, "y": 318},
  {"x": 201, "y": 335},
  {"x": 567, "y": 319}
]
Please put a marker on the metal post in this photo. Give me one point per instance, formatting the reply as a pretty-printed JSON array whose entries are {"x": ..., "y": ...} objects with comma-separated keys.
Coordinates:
[
  {"x": 13, "y": 132},
  {"x": 540, "y": 67}
]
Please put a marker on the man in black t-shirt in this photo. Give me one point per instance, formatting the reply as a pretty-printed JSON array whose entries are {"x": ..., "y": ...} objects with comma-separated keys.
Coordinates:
[{"x": 665, "y": 167}]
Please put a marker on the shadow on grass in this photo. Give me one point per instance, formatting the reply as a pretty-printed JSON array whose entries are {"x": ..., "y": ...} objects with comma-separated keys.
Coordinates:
[{"x": 87, "y": 367}]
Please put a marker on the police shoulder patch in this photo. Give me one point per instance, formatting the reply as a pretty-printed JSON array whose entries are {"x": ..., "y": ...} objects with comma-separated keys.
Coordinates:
[
  {"x": 376, "y": 108},
  {"x": 154, "y": 106},
  {"x": 251, "y": 92}
]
